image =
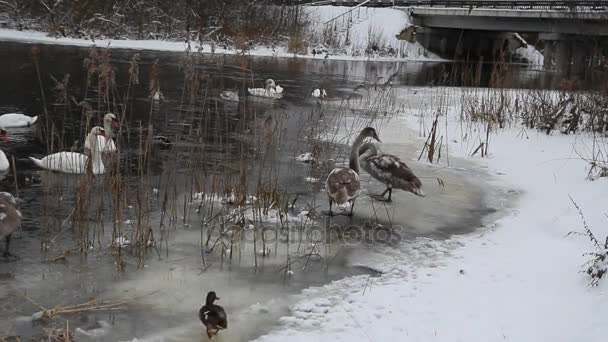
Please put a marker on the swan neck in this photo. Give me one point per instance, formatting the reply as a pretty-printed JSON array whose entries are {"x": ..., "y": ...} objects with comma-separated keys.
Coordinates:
[
  {"x": 353, "y": 160},
  {"x": 107, "y": 126}
]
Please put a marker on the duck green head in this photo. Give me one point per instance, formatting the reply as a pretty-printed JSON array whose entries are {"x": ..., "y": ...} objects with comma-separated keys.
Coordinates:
[{"x": 211, "y": 297}]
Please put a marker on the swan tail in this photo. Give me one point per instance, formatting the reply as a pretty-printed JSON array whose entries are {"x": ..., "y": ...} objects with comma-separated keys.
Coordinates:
[
  {"x": 34, "y": 119},
  {"x": 37, "y": 162}
]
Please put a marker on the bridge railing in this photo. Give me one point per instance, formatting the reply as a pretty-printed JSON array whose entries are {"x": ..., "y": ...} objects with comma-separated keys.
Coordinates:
[{"x": 593, "y": 5}]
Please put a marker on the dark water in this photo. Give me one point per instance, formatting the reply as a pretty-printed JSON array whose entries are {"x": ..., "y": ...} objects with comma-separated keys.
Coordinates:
[{"x": 224, "y": 140}]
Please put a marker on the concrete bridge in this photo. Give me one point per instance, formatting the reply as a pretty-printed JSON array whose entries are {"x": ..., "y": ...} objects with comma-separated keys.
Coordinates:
[
  {"x": 586, "y": 17},
  {"x": 566, "y": 30}
]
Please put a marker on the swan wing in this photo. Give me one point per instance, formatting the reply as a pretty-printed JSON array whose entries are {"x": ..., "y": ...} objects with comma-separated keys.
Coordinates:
[
  {"x": 16, "y": 120},
  {"x": 69, "y": 162},
  {"x": 343, "y": 184},
  {"x": 394, "y": 170}
]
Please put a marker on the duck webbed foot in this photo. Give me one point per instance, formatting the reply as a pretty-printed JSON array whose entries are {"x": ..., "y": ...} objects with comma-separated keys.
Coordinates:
[{"x": 381, "y": 197}]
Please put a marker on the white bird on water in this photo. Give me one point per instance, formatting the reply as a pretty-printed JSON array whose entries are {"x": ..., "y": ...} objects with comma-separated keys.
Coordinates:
[
  {"x": 4, "y": 164},
  {"x": 72, "y": 162},
  {"x": 229, "y": 95},
  {"x": 319, "y": 93},
  {"x": 13, "y": 120},
  {"x": 104, "y": 142}
]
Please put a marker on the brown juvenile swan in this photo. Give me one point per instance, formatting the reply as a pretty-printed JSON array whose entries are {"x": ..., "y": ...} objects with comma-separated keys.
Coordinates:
[
  {"x": 342, "y": 184},
  {"x": 390, "y": 170},
  {"x": 10, "y": 219}
]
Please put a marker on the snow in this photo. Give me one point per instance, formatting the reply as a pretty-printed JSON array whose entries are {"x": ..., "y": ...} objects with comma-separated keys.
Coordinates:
[
  {"x": 392, "y": 22},
  {"x": 517, "y": 279},
  {"x": 386, "y": 22}
]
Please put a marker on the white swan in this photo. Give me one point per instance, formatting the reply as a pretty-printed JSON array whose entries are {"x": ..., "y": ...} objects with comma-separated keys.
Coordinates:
[
  {"x": 12, "y": 120},
  {"x": 319, "y": 93},
  {"x": 269, "y": 91},
  {"x": 72, "y": 162},
  {"x": 104, "y": 143},
  {"x": 229, "y": 95},
  {"x": 4, "y": 164},
  {"x": 158, "y": 95}
]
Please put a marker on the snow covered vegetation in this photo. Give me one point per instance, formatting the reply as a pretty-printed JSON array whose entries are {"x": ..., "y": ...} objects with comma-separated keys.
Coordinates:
[{"x": 251, "y": 27}]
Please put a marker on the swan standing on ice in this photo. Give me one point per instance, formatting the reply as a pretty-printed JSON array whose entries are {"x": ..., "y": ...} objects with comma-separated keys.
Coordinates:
[
  {"x": 4, "y": 164},
  {"x": 13, "y": 120},
  {"x": 10, "y": 219},
  {"x": 390, "y": 170},
  {"x": 104, "y": 143},
  {"x": 343, "y": 184},
  {"x": 72, "y": 162},
  {"x": 319, "y": 93}
]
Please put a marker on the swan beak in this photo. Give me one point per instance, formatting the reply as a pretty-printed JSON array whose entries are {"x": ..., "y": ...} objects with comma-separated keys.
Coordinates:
[
  {"x": 5, "y": 137},
  {"x": 115, "y": 123}
]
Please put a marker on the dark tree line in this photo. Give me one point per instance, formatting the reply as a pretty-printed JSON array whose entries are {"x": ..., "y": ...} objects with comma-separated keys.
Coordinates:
[{"x": 231, "y": 22}]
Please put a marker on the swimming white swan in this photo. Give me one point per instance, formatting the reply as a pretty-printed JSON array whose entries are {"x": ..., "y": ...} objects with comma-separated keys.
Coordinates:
[
  {"x": 104, "y": 143},
  {"x": 229, "y": 95},
  {"x": 158, "y": 95},
  {"x": 72, "y": 162},
  {"x": 319, "y": 93},
  {"x": 12, "y": 120},
  {"x": 4, "y": 164},
  {"x": 269, "y": 91}
]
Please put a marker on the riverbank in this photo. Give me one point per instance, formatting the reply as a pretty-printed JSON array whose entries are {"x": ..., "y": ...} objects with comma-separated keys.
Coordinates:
[
  {"x": 37, "y": 37},
  {"x": 519, "y": 278},
  {"x": 376, "y": 26}
]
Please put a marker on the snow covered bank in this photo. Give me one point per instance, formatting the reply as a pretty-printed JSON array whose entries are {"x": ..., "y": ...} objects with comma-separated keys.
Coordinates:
[
  {"x": 517, "y": 280},
  {"x": 383, "y": 24},
  {"x": 359, "y": 30}
]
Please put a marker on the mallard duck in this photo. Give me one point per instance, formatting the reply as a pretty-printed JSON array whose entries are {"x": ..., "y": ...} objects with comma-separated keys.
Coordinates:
[
  {"x": 390, "y": 170},
  {"x": 319, "y": 93},
  {"x": 10, "y": 219},
  {"x": 213, "y": 316},
  {"x": 343, "y": 184}
]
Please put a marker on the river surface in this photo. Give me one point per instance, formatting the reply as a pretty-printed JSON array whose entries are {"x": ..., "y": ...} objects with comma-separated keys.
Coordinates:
[{"x": 218, "y": 148}]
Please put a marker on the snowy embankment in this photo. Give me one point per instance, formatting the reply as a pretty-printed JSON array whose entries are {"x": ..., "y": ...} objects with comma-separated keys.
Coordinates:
[
  {"x": 382, "y": 23},
  {"x": 353, "y": 33},
  {"x": 518, "y": 279}
]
